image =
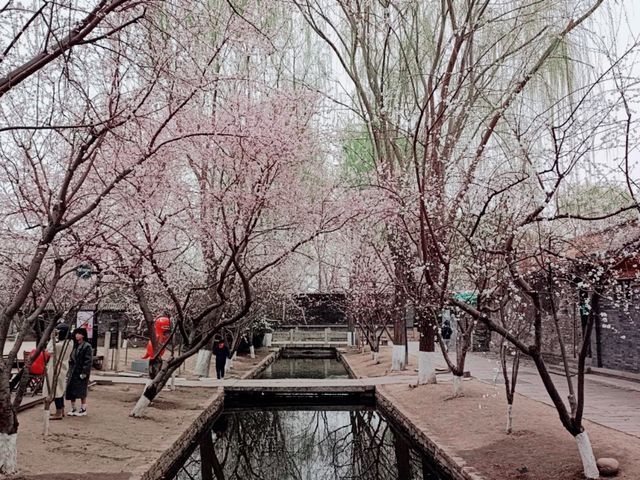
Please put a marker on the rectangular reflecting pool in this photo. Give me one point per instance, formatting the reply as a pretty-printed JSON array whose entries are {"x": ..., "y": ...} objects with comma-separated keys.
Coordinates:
[
  {"x": 303, "y": 435},
  {"x": 305, "y": 368},
  {"x": 341, "y": 443}
]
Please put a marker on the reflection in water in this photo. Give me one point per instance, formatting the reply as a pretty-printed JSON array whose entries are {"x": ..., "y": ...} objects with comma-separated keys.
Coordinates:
[
  {"x": 305, "y": 368},
  {"x": 304, "y": 445}
]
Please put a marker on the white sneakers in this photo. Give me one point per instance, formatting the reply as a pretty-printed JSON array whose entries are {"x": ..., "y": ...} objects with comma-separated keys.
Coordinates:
[{"x": 77, "y": 413}]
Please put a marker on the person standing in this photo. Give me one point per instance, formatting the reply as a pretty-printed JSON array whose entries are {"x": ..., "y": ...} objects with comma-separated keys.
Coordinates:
[
  {"x": 221, "y": 351},
  {"x": 79, "y": 371},
  {"x": 446, "y": 332},
  {"x": 60, "y": 348},
  {"x": 38, "y": 364}
]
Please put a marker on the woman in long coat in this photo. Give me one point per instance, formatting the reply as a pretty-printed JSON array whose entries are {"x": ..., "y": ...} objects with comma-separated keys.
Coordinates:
[
  {"x": 79, "y": 371},
  {"x": 60, "y": 348}
]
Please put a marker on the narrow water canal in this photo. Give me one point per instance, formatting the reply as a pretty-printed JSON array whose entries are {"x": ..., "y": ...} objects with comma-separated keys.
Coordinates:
[
  {"x": 321, "y": 438},
  {"x": 355, "y": 444},
  {"x": 305, "y": 368}
]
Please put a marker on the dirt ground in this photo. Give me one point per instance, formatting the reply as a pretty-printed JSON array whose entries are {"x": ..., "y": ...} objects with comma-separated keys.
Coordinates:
[
  {"x": 473, "y": 428},
  {"x": 107, "y": 444}
]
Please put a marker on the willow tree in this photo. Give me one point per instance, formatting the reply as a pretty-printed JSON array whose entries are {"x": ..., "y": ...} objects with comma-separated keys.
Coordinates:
[
  {"x": 448, "y": 91},
  {"x": 431, "y": 81}
]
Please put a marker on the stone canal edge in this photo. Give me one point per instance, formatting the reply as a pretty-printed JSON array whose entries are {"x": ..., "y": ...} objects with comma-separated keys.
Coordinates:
[
  {"x": 162, "y": 466},
  {"x": 446, "y": 461}
]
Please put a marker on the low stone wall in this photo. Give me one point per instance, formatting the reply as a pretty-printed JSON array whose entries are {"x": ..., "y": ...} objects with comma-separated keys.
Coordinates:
[
  {"x": 268, "y": 360},
  {"x": 160, "y": 469},
  {"x": 446, "y": 462},
  {"x": 345, "y": 363}
]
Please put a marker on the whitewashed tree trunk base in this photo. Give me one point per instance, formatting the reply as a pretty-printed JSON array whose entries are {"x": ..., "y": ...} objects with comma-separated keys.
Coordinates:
[
  {"x": 398, "y": 358},
  {"x": 375, "y": 357},
  {"x": 172, "y": 384},
  {"x": 229, "y": 365},
  {"x": 457, "y": 386},
  {"x": 509, "y": 418},
  {"x": 426, "y": 368},
  {"x": 252, "y": 352},
  {"x": 8, "y": 453},
  {"x": 586, "y": 455},
  {"x": 203, "y": 362},
  {"x": 141, "y": 406},
  {"x": 45, "y": 421},
  {"x": 268, "y": 337}
]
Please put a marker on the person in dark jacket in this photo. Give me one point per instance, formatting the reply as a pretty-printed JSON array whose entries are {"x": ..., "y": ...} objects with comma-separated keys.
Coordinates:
[
  {"x": 79, "y": 371},
  {"x": 221, "y": 351},
  {"x": 446, "y": 332}
]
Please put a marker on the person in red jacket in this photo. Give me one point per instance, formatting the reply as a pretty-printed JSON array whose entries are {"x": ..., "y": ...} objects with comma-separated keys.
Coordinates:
[
  {"x": 37, "y": 368},
  {"x": 162, "y": 327}
]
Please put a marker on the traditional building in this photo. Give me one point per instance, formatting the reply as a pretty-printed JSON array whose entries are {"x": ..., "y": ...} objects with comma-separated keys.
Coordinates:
[{"x": 611, "y": 256}]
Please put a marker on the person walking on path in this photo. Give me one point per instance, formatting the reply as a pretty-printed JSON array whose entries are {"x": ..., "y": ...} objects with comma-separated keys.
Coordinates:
[
  {"x": 60, "y": 349},
  {"x": 221, "y": 351},
  {"x": 79, "y": 371}
]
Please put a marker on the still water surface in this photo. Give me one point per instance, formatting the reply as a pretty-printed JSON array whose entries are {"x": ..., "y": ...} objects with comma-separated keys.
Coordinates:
[
  {"x": 305, "y": 368},
  {"x": 292, "y": 442},
  {"x": 356, "y": 444}
]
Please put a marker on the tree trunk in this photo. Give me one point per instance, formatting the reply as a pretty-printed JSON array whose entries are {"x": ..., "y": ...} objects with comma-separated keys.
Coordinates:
[
  {"x": 403, "y": 456},
  {"x": 207, "y": 453},
  {"x": 398, "y": 355},
  {"x": 8, "y": 453},
  {"x": 252, "y": 352},
  {"x": 426, "y": 355},
  {"x": 587, "y": 457},
  {"x": 398, "y": 359},
  {"x": 203, "y": 363},
  {"x": 46, "y": 416},
  {"x": 144, "y": 401},
  {"x": 153, "y": 388},
  {"x": 457, "y": 386},
  {"x": 155, "y": 364},
  {"x": 509, "y": 418},
  {"x": 426, "y": 368},
  {"x": 8, "y": 426}
]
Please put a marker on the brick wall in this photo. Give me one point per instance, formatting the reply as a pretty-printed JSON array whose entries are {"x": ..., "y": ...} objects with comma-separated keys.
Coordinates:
[
  {"x": 568, "y": 323},
  {"x": 620, "y": 333}
]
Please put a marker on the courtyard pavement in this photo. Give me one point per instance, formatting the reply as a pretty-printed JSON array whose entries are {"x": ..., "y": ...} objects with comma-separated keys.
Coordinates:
[{"x": 612, "y": 402}]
